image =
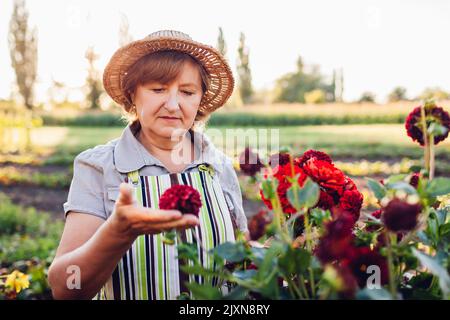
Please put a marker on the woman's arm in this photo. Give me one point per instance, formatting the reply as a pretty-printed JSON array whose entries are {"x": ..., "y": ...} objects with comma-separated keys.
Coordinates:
[{"x": 94, "y": 246}]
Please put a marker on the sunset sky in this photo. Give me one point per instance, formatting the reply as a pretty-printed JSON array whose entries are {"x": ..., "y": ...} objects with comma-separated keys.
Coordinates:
[{"x": 379, "y": 44}]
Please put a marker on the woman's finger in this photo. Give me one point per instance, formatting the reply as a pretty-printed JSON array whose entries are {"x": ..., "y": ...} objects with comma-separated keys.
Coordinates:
[{"x": 125, "y": 196}]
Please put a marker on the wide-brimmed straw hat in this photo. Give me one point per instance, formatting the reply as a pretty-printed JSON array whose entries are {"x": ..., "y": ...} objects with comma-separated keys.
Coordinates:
[{"x": 221, "y": 81}]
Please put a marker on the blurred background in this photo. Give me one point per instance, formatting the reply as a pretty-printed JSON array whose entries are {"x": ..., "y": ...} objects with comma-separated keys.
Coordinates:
[{"x": 335, "y": 76}]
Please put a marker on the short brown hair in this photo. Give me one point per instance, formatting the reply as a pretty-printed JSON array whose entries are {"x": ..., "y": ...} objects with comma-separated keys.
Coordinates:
[{"x": 163, "y": 67}]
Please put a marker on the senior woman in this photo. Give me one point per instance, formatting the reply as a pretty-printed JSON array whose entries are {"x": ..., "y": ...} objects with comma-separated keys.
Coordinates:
[{"x": 113, "y": 239}]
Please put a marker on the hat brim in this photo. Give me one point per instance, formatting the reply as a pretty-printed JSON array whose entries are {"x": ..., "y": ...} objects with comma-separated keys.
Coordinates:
[{"x": 221, "y": 78}]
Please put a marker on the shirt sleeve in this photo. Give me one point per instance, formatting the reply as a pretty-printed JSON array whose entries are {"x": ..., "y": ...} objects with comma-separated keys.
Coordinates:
[
  {"x": 86, "y": 193},
  {"x": 230, "y": 183}
]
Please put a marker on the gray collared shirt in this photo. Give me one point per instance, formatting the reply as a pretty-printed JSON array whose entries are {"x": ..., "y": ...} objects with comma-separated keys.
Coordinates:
[{"x": 98, "y": 172}]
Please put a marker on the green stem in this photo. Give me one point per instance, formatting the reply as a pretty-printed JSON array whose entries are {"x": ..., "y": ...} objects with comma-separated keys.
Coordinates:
[
  {"x": 309, "y": 248},
  {"x": 302, "y": 285},
  {"x": 431, "y": 156},
  {"x": 425, "y": 138},
  {"x": 296, "y": 289},
  {"x": 392, "y": 288}
]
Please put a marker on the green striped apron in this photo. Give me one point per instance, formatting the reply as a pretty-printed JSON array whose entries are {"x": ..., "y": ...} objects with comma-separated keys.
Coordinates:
[{"x": 150, "y": 269}]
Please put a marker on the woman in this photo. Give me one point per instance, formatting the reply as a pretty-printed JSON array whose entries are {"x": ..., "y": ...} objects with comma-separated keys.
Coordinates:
[{"x": 114, "y": 230}]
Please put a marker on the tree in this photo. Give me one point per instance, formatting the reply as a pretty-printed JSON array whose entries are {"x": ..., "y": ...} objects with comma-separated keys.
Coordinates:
[
  {"x": 124, "y": 31},
  {"x": 435, "y": 93},
  {"x": 23, "y": 52},
  {"x": 221, "y": 45},
  {"x": 338, "y": 85},
  {"x": 398, "y": 94},
  {"x": 293, "y": 86},
  {"x": 93, "y": 80},
  {"x": 367, "y": 97},
  {"x": 244, "y": 73}
]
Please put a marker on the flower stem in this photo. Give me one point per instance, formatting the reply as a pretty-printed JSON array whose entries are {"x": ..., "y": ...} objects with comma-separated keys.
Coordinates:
[
  {"x": 302, "y": 285},
  {"x": 431, "y": 156},
  {"x": 425, "y": 139},
  {"x": 309, "y": 248},
  {"x": 392, "y": 288}
]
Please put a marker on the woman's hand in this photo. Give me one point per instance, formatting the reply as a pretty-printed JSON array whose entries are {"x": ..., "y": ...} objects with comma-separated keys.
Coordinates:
[{"x": 130, "y": 219}]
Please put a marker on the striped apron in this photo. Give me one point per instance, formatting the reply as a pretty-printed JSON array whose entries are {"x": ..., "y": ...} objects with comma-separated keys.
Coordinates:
[{"x": 150, "y": 269}]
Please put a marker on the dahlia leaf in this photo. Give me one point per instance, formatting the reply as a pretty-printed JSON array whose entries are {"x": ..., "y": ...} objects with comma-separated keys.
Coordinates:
[
  {"x": 245, "y": 274},
  {"x": 438, "y": 187},
  {"x": 204, "y": 292},
  {"x": 231, "y": 252},
  {"x": 435, "y": 268},
  {"x": 304, "y": 197},
  {"x": 377, "y": 188},
  {"x": 402, "y": 186}
]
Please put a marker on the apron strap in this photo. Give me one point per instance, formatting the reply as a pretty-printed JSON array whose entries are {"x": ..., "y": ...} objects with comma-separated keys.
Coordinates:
[{"x": 206, "y": 168}]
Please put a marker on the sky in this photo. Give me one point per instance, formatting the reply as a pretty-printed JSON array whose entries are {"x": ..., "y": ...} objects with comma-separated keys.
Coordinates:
[{"x": 378, "y": 44}]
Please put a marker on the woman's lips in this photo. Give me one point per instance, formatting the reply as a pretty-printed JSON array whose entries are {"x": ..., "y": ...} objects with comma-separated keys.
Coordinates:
[{"x": 170, "y": 118}]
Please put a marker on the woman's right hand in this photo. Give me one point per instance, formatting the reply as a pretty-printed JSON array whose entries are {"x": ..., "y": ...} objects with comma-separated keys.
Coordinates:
[{"x": 129, "y": 219}]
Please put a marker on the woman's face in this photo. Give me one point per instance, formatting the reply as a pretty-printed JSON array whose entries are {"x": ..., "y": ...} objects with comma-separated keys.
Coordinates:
[{"x": 167, "y": 110}]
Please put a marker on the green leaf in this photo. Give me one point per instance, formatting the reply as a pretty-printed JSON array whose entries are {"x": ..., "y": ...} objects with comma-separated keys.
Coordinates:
[
  {"x": 438, "y": 187},
  {"x": 295, "y": 260},
  {"x": 231, "y": 251},
  {"x": 403, "y": 186},
  {"x": 268, "y": 189},
  {"x": 377, "y": 188},
  {"x": 238, "y": 293},
  {"x": 204, "y": 291},
  {"x": 395, "y": 178},
  {"x": 435, "y": 268},
  {"x": 245, "y": 274},
  {"x": 304, "y": 197},
  {"x": 373, "y": 294}
]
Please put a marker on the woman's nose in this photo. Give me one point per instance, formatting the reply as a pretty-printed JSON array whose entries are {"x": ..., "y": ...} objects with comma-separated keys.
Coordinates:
[{"x": 172, "y": 102}]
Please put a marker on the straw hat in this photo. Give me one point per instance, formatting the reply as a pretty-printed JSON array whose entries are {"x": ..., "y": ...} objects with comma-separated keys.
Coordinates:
[{"x": 221, "y": 78}]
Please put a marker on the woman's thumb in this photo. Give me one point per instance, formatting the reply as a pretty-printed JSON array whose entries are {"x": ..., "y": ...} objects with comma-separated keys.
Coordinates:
[{"x": 125, "y": 195}]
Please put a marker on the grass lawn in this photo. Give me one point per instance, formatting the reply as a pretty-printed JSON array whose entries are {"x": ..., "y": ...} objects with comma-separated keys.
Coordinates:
[{"x": 388, "y": 141}]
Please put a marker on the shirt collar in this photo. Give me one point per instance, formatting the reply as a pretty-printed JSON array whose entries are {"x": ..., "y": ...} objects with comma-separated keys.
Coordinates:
[{"x": 130, "y": 155}]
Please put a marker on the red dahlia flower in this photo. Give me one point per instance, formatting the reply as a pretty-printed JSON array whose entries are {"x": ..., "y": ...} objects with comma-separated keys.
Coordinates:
[
  {"x": 281, "y": 173},
  {"x": 319, "y": 155},
  {"x": 351, "y": 201},
  {"x": 281, "y": 159},
  {"x": 433, "y": 113},
  {"x": 325, "y": 174},
  {"x": 181, "y": 197}
]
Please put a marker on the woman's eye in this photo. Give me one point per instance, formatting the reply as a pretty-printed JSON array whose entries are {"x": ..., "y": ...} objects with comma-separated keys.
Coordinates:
[
  {"x": 158, "y": 90},
  {"x": 189, "y": 93}
]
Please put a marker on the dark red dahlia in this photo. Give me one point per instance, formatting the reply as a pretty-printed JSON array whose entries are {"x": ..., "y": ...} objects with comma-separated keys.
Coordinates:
[
  {"x": 433, "y": 113},
  {"x": 281, "y": 159},
  {"x": 326, "y": 201},
  {"x": 250, "y": 162},
  {"x": 414, "y": 180},
  {"x": 399, "y": 215},
  {"x": 351, "y": 201},
  {"x": 337, "y": 240},
  {"x": 360, "y": 259},
  {"x": 181, "y": 197},
  {"x": 319, "y": 155},
  {"x": 258, "y": 223},
  {"x": 349, "y": 285}
]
